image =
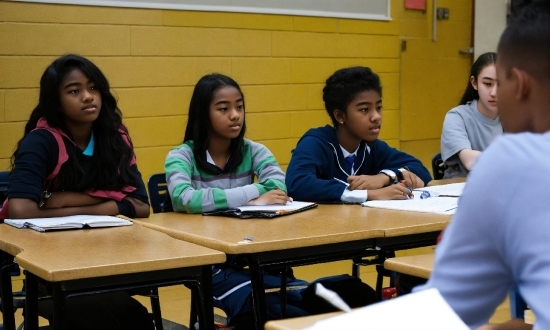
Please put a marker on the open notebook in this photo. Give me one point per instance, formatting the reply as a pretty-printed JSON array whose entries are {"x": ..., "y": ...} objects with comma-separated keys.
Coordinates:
[
  {"x": 266, "y": 211},
  {"x": 443, "y": 205},
  {"x": 69, "y": 222}
]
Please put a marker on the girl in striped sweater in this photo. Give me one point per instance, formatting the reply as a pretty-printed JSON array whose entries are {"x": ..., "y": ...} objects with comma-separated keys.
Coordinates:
[{"x": 215, "y": 166}]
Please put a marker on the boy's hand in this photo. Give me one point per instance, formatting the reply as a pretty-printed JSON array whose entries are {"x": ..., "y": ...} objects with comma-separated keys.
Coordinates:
[
  {"x": 395, "y": 191},
  {"x": 367, "y": 182},
  {"x": 275, "y": 196},
  {"x": 412, "y": 180}
]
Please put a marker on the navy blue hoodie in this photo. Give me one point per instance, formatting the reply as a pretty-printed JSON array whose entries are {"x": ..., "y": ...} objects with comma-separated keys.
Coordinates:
[{"x": 318, "y": 159}]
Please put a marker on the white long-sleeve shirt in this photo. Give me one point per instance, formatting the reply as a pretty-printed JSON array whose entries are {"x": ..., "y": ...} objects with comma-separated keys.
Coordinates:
[{"x": 500, "y": 235}]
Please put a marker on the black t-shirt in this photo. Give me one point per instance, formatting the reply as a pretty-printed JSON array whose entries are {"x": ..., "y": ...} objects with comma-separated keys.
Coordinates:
[{"x": 36, "y": 159}]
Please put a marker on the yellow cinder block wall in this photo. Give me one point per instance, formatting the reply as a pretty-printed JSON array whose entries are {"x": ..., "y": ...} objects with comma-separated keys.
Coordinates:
[{"x": 153, "y": 58}]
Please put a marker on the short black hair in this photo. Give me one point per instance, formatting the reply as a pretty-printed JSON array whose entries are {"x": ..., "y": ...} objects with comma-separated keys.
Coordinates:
[
  {"x": 525, "y": 43},
  {"x": 345, "y": 84}
]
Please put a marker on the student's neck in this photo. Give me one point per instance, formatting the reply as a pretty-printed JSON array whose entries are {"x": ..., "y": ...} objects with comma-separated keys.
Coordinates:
[
  {"x": 346, "y": 140},
  {"x": 540, "y": 108},
  {"x": 80, "y": 134},
  {"x": 486, "y": 112},
  {"x": 219, "y": 151}
]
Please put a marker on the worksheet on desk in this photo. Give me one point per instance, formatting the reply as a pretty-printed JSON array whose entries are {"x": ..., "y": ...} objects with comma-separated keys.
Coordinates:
[
  {"x": 453, "y": 189},
  {"x": 442, "y": 205}
]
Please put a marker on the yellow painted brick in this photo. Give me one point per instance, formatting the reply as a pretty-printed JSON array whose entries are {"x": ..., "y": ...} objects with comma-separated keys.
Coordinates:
[
  {"x": 2, "y": 111},
  {"x": 57, "y": 39},
  {"x": 4, "y": 164},
  {"x": 226, "y": 20},
  {"x": 301, "y": 121},
  {"x": 416, "y": 28},
  {"x": 53, "y": 13},
  {"x": 184, "y": 41},
  {"x": 390, "y": 125},
  {"x": 305, "y": 44},
  {"x": 458, "y": 10},
  {"x": 268, "y": 125},
  {"x": 10, "y": 134},
  {"x": 157, "y": 131},
  {"x": 378, "y": 65},
  {"x": 450, "y": 38},
  {"x": 280, "y": 149},
  {"x": 20, "y": 103},
  {"x": 315, "y": 96},
  {"x": 150, "y": 160},
  {"x": 424, "y": 150},
  {"x": 390, "y": 90},
  {"x": 368, "y": 27},
  {"x": 394, "y": 143},
  {"x": 159, "y": 71},
  {"x": 22, "y": 71},
  {"x": 419, "y": 121},
  {"x": 261, "y": 71},
  {"x": 275, "y": 98},
  {"x": 315, "y": 24},
  {"x": 154, "y": 101},
  {"x": 311, "y": 70}
]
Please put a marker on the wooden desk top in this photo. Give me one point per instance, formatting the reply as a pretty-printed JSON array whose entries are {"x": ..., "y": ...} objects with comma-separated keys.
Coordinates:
[
  {"x": 86, "y": 253},
  {"x": 325, "y": 224},
  {"x": 299, "y": 322},
  {"x": 419, "y": 265}
]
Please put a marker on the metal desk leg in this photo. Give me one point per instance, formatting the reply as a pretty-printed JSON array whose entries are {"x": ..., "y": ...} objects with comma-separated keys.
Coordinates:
[
  {"x": 59, "y": 308},
  {"x": 206, "y": 318},
  {"x": 31, "y": 302},
  {"x": 6, "y": 296},
  {"x": 258, "y": 294},
  {"x": 283, "y": 292}
]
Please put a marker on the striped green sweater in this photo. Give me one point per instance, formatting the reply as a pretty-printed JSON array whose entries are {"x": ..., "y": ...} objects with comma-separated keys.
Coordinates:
[{"x": 195, "y": 191}]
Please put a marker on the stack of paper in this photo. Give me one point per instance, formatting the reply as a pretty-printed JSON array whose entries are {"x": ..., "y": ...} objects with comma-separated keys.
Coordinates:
[
  {"x": 443, "y": 205},
  {"x": 424, "y": 310},
  {"x": 70, "y": 222}
]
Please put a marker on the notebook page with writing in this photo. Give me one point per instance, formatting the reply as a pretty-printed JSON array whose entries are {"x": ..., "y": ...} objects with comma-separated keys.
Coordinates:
[
  {"x": 443, "y": 205},
  {"x": 68, "y": 222},
  {"x": 453, "y": 189},
  {"x": 425, "y": 310},
  {"x": 289, "y": 206}
]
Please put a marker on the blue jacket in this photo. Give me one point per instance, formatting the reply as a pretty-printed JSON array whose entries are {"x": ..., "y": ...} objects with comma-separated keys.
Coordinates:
[{"x": 318, "y": 159}]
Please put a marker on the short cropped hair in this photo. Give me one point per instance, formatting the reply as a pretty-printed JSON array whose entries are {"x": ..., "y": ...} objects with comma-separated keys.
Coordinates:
[
  {"x": 345, "y": 84},
  {"x": 525, "y": 43}
]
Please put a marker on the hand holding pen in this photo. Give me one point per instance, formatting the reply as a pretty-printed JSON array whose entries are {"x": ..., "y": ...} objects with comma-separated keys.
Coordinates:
[{"x": 394, "y": 191}]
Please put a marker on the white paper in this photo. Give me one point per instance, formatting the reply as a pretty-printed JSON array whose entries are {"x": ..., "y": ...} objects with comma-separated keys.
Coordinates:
[
  {"x": 443, "y": 205},
  {"x": 424, "y": 310},
  {"x": 290, "y": 206},
  {"x": 453, "y": 189},
  {"x": 73, "y": 221}
]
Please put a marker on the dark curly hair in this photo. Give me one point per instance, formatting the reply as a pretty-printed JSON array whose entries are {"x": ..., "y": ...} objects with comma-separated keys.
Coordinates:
[{"x": 345, "y": 84}]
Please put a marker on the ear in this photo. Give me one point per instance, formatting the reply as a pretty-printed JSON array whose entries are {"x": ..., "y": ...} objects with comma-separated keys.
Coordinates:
[
  {"x": 340, "y": 116},
  {"x": 473, "y": 82},
  {"x": 523, "y": 83}
]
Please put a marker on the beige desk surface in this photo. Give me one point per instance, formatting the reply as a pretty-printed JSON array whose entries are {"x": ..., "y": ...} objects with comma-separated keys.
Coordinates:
[
  {"x": 78, "y": 254},
  {"x": 298, "y": 323},
  {"x": 419, "y": 265},
  {"x": 325, "y": 224}
]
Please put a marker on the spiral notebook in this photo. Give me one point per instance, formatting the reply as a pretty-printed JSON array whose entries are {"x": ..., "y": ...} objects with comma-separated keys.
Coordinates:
[
  {"x": 266, "y": 211},
  {"x": 69, "y": 222}
]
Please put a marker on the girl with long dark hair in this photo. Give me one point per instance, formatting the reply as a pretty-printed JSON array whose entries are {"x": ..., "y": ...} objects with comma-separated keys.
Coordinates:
[{"x": 470, "y": 127}]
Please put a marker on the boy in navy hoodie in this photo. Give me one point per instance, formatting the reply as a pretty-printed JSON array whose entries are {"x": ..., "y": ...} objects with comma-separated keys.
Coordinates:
[{"x": 347, "y": 162}]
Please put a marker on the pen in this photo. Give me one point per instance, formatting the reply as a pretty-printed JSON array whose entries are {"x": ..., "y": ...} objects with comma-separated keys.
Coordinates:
[{"x": 403, "y": 183}]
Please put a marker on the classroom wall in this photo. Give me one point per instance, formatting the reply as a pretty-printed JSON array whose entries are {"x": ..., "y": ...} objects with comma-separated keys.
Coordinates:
[{"x": 153, "y": 58}]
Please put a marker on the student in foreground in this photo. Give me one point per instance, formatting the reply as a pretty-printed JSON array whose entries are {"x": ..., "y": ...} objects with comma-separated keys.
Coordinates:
[
  {"x": 470, "y": 127},
  {"x": 329, "y": 158},
  {"x": 76, "y": 157},
  {"x": 499, "y": 237},
  {"x": 214, "y": 169}
]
